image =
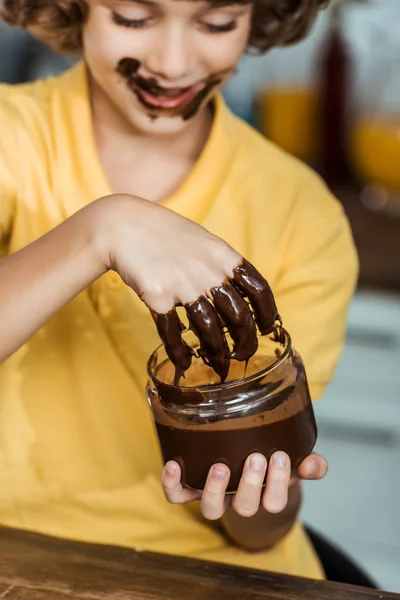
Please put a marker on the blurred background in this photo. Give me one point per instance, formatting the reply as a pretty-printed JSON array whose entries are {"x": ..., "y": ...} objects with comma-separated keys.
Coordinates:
[{"x": 334, "y": 101}]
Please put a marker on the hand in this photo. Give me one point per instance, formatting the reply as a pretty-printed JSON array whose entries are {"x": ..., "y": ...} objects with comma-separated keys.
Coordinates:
[
  {"x": 169, "y": 260},
  {"x": 250, "y": 494}
]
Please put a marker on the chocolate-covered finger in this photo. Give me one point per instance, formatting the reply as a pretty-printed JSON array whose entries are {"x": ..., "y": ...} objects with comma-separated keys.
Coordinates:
[
  {"x": 205, "y": 323},
  {"x": 238, "y": 318},
  {"x": 253, "y": 285},
  {"x": 170, "y": 329}
]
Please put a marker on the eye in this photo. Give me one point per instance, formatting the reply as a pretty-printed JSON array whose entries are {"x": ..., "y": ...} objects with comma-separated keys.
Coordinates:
[
  {"x": 222, "y": 28},
  {"x": 120, "y": 20}
]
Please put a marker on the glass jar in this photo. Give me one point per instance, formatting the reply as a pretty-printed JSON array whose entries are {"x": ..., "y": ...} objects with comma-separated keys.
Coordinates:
[{"x": 263, "y": 406}]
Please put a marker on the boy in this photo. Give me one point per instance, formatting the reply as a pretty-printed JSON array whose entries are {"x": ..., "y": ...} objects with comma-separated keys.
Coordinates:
[{"x": 140, "y": 117}]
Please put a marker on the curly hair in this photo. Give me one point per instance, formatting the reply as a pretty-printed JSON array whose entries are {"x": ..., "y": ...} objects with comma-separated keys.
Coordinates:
[{"x": 59, "y": 22}]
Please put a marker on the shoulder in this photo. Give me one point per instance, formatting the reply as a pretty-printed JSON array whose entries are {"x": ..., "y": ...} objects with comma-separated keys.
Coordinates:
[
  {"x": 28, "y": 119},
  {"x": 274, "y": 180},
  {"x": 287, "y": 206},
  {"x": 24, "y": 106},
  {"x": 28, "y": 100}
]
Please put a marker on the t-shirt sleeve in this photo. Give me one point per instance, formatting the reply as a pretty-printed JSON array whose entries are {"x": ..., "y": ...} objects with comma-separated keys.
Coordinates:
[
  {"x": 6, "y": 206},
  {"x": 7, "y": 187},
  {"x": 315, "y": 286}
]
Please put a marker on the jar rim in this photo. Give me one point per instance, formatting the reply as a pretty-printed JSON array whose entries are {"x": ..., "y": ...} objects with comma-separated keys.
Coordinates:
[{"x": 226, "y": 385}]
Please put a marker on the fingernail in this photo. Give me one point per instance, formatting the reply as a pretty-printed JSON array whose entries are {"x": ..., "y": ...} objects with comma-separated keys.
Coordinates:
[
  {"x": 313, "y": 467},
  {"x": 257, "y": 462},
  {"x": 170, "y": 469},
  {"x": 219, "y": 473},
  {"x": 280, "y": 459}
]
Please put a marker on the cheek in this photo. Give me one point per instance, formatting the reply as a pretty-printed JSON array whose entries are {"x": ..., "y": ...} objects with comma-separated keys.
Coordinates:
[
  {"x": 104, "y": 43},
  {"x": 224, "y": 54}
]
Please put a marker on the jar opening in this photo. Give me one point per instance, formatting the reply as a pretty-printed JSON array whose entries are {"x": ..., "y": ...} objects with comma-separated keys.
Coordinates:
[{"x": 268, "y": 357}]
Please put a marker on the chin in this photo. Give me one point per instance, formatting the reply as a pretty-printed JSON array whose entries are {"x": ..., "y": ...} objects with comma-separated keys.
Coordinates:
[{"x": 158, "y": 125}]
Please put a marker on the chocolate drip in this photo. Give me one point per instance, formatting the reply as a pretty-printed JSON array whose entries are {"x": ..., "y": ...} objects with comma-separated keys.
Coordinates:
[{"x": 170, "y": 329}]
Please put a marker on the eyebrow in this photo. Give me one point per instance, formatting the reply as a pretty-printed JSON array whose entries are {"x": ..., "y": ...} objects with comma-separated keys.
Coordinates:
[
  {"x": 222, "y": 3},
  {"x": 210, "y": 3},
  {"x": 146, "y": 2}
]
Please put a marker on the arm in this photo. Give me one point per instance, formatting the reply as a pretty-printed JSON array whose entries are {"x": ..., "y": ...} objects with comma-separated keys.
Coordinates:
[
  {"x": 42, "y": 277},
  {"x": 140, "y": 240}
]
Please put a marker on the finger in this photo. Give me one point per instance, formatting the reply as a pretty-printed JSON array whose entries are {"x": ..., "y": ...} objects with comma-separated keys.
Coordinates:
[
  {"x": 275, "y": 496},
  {"x": 238, "y": 319},
  {"x": 206, "y": 324},
  {"x": 170, "y": 329},
  {"x": 173, "y": 490},
  {"x": 247, "y": 500},
  {"x": 313, "y": 467},
  {"x": 213, "y": 501},
  {"x": 253, "y": 285}
]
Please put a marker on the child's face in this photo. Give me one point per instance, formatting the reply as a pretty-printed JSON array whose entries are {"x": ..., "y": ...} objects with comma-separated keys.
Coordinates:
[{"x": 158, "y": 61}]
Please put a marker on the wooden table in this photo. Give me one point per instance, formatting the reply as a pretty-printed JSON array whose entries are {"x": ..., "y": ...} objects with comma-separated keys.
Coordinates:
[{"x": 34, "y": 567}]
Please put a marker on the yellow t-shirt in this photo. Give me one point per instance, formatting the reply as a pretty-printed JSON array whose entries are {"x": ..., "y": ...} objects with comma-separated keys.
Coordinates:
[{"x": 78, "y": 453}]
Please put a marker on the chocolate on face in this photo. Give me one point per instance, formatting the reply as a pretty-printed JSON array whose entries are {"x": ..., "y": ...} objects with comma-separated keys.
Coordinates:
[{"x": 129, "y": 67}]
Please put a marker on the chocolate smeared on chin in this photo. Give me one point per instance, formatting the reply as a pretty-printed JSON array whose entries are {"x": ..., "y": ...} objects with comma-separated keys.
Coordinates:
[
  {"x": 194, "y": 105},
  {"x": 129, "y": 67}
]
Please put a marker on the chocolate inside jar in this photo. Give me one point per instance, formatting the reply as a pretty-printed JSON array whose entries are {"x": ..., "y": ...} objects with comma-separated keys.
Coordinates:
[{"x": 263, "y": 406}]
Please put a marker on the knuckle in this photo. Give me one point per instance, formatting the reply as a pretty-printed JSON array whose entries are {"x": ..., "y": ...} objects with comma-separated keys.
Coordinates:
[
  {"x": 246, "y": 511},
  {"x": 253, "y": 480},
  {"x": 224, "y": 253},
  {"x": 172, "y": 499},
  {"x": 211, "y": 506},
  {"x": 168, "y": 488},
  {"x": 273, "y": 508},
  {"x": 211, "y": 514},
  {"x": 212, "y": 493},
  {"x": 279, "y": 476},
  {"x": 158, "y": 300}
]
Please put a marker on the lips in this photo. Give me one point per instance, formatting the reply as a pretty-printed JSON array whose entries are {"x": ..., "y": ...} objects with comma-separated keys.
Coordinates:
[{"x": 163, "y": 98}]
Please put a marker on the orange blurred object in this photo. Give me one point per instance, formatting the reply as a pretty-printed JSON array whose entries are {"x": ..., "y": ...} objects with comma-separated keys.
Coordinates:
[
  {"x": 288, "y": 116},
  {"x": 374, "y": 150}
]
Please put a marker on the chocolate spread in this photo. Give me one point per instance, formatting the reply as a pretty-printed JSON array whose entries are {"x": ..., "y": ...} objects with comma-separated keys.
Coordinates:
[{"x": 230, "y": 310}]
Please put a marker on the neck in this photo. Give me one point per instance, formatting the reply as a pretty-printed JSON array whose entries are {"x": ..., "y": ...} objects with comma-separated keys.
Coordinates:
[{"x": 113, "y": 131}]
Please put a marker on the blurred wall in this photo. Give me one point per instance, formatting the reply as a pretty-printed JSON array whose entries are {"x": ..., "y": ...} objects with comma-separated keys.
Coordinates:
[{"x": 373, "y": 36}]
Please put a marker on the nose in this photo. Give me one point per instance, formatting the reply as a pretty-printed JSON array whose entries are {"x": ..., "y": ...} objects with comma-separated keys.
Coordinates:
[{"x": 170, "y": 56}]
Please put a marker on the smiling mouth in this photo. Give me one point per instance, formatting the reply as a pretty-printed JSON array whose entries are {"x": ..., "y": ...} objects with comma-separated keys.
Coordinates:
[
  {"x": 178, "y": 101},
  {"x": 158, "y": 98}
]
